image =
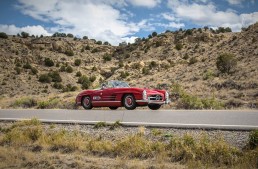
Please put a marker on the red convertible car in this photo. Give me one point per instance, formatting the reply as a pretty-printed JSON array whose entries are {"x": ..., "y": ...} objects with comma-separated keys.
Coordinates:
[{"x": 114, "y": 94}]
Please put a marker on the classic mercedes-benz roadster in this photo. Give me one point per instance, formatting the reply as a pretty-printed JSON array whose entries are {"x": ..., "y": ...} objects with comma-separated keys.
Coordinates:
[{"x": 114, "y": 94}]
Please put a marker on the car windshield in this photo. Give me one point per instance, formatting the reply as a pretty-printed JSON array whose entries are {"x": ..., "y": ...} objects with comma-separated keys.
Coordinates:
[{"x": 116, "y": 84}]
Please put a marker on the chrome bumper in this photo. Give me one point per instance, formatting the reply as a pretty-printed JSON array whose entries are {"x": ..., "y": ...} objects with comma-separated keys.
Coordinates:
[{"x": 153, "y": 101}]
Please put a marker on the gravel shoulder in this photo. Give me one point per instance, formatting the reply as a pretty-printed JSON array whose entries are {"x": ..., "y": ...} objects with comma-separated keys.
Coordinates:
[{"x": 237, "y": 139}]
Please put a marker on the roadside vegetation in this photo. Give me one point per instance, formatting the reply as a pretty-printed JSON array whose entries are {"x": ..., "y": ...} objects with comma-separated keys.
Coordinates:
[{"x": 32, "y": 137}]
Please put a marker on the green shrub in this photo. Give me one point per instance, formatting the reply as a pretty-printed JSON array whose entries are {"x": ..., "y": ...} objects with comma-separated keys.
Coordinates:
[
  {"x": 48, "y": 104},
  {"x": 107, "y": 57},
  {"x": 18, "y": 70},
  {"x": 3, "y": 35},
  {"x": 25, "y": 102},
  {"x": 69, "y": 52},
  {"x": 100, "y": 125},
  {"x": 44, "y": 78},
  {"x": 145, "y": 71},
  {"x": 62, "y": 68},
  {"x": 226, "y": 63},
  {"x": 136, "y": 66},
  {"x": 253, "y": 139},
  {"x": 69, "y": 88},
  {"x": 58, "y": 85},
  {"x": 186, "y": 56},
  {"x": 99, "y": 42},
  {"x": 55, "y": 76},
  {"x": 84, "y": 81},
  {"x": 25, "y": 34},
  {"x": 153, "y": 64},
  {"x": 78, "y": 74},
  {"x": 208, "y": 75},
  {"x": 116, "y": 124},
  {"x": 193, "y": 60},
  {"x": 87, "y": 47},
  {"x": 94, "y": 68},
  {"x": 34, "y": 70},
  {"x": 92, "y": 78},
  {"x": 154, "y": 34},
  {"x": 179, "y": 46},
  {"x": 49, "y": 62},
  {"x": 69, "y": 69},
  {"x": 124, "y": 75},
  {"x": 70, "y": 35},
  {"x": 77, "y": 62},
  {"x": 95, "y": 50},
  {"x": 27, "y": 66}
]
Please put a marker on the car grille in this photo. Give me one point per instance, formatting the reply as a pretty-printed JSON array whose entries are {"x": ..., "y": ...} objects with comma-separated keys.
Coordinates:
[{"x": 155, "y": 97}]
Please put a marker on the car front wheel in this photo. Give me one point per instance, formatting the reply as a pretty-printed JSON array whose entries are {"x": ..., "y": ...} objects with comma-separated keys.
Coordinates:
[
  {"x": 154, "y": 106},
  {"x": 86, "y": 102},
  {"x": 129, "y": 102}
]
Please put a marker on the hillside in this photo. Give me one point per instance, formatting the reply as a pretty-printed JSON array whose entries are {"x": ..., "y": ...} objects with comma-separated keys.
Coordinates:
[{"x": 184, "y": 62}]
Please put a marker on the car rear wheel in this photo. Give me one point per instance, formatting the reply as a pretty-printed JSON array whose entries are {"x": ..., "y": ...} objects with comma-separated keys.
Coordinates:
[
  {"x": 129, "y": 102},
  {"x": 154, "y": 106},
  {"x": 113, "y": 108},
  {"x": 86, "y": 102}
]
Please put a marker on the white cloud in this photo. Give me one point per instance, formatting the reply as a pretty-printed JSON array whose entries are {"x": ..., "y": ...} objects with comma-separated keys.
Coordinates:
[
  {"x": 145, "y": 3},
  {"x": 171, "y": 25},
  {"x": 97, "y": 19},
  {"x": 32, "y": 30},
  {"x": 235, "y": 2},
  {"x": 207, "y": 14}
]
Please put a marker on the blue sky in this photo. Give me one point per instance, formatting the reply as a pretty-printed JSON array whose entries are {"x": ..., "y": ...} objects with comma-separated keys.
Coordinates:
[{"x": 122, "y": 20}]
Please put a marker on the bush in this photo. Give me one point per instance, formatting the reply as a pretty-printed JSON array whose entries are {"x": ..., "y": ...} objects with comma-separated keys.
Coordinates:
[
  {"x": 77, "y": 62},
  {"x": 3, "y": 35},
  {"x": 92, "y": 78},
  {"x": 62, "y": 68},
  {"x": 124, "y": 75},
  {"x": 44, "y": 78},
  {"x": 18, "y": 70},
  {"x": 179, "y": 46},
  {"x": 186, "y": 56},
  {"x": 55, "y": 76},
  {"x": 70, "y": 35},
  {"x": 69, "y": 69},
  {"x": 145, "y": 71},
  {"x": 153, "y": 64},
  {"x": 25, "y": 102},
  {"x": 99, "y": 42},
  {"x": 49, "y": 62},
  {"x": 253, "y": 139},
  {"x": 87, "y": 47},
  {"x": 69, "y": 88},
  {"x": 95, "y": 50},
  {"x": 25, "y": 34},
  {"x": 58, "y": 85},
  {"x": 193, "y": 60},
  {"x": 85, "y": 81},
  {"x": 85, "y": 37},
  {"x": 34, "y": 70},
  {"x": 78, "y": 74},
  {"x": 226, "y": 63},
  {"x": 69, "y": 53},
  {"x": 154, "y": 34},
  {"x": 107, "y": 57},
  {"x": 27, "y": 66}
]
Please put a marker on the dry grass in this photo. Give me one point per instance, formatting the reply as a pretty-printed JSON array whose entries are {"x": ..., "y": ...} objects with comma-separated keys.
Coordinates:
[{"x": 31, "y": 140}]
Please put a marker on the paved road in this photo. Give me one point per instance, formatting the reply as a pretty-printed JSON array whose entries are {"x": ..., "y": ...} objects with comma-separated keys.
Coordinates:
[{"x": 206, "y": 119}]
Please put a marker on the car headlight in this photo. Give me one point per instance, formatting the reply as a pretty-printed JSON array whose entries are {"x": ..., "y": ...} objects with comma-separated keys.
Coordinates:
[{"x": 144, "y": 95}]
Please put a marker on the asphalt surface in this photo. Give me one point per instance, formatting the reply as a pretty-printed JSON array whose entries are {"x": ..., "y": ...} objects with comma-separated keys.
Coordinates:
[{"x": 204, "y": 119}]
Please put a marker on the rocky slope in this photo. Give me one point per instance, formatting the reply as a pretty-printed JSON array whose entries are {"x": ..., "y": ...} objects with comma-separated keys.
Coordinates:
[{"x": 185, "y": 59}]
